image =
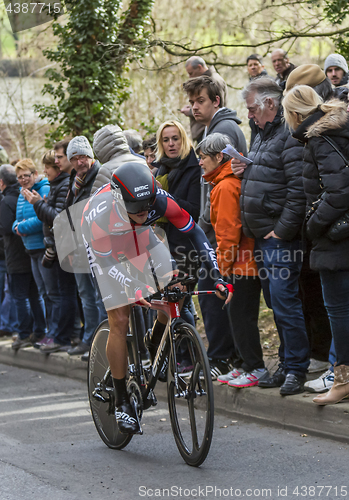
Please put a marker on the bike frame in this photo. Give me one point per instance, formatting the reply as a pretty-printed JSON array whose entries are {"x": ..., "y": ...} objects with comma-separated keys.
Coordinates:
[{"x": 167, "y": 345}]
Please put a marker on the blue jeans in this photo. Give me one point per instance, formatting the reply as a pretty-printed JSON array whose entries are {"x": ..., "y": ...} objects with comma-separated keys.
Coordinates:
[
  {"x": 47, "y": 283},
  {"x": 279, "y": 264},
  {"x": 9, "y": 322},
  {"x": 335, "y": 289},
  {"x": 63, "y": 310},
  {"x": 29, "y": 305},
  {"x": 332, "y": 357},
  {"x": 92, "y": 305},
  {"x": 2, "y": 278}
]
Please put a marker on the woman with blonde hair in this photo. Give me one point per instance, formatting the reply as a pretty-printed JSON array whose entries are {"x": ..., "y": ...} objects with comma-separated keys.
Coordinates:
[
  {"x": 179, "y": 174},
  {"x": 324, "y": 128}
]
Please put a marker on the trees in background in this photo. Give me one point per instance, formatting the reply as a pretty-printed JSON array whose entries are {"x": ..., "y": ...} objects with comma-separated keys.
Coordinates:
[
  {"x": 110, "y": 64},
  {"x": 93, "y": 50}
]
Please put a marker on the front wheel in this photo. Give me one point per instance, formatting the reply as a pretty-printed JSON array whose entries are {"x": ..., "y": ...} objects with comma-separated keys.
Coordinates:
[
  {"x": 190, "y": 401},
  {"x": 101, "y": 392}
]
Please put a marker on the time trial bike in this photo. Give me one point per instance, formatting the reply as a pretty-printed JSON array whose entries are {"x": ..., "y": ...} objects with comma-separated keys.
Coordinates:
[{"x": 190, "y": 394}]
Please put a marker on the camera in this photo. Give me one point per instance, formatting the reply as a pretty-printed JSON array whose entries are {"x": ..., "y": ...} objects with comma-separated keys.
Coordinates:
[
  {"x": 49, "y": 257},
  {"x": 50, "y": 254}
]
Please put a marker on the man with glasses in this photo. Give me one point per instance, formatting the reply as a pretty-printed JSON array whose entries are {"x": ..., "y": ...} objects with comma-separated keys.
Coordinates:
[{"x": 83, "y": 174}]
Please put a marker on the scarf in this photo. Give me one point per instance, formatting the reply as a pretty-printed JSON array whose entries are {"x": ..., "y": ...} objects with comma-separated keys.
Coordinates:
[
  {"x": 78, "y": 184},
  {"x": 170, "y": 166}
]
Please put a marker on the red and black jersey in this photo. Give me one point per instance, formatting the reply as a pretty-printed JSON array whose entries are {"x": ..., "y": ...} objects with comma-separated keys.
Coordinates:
[{"x": 113, "y": 238}]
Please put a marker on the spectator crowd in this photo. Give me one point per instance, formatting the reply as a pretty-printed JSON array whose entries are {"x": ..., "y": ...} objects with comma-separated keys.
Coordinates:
[{"x": 275, "y": 212}]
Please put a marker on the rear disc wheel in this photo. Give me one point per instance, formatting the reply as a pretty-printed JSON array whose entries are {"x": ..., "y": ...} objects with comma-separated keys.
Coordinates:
[{"x": 101, "y": 392}]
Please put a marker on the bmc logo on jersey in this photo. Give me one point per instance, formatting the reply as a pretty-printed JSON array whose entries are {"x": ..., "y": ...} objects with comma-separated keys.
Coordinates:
[
  {"x": 139, "y": 195},
  {"x": 140, "y": 188},
  {"x": 94, "y": 211}
]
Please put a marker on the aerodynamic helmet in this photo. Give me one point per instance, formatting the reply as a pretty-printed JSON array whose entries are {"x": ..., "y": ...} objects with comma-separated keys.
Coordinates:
[{"x": 136, "y": 184}]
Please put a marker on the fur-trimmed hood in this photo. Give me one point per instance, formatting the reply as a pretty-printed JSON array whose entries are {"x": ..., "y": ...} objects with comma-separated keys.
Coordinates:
[{"x": 335, "y": 118}]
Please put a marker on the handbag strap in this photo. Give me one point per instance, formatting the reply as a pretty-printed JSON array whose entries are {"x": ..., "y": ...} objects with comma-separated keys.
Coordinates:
[{"x": 327, "y": 139}]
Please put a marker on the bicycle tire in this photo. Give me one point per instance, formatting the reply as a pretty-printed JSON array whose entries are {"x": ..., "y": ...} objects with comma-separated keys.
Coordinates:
[
  {"x": 194, "y": 440},
  {"x": 103, "y": 412}
]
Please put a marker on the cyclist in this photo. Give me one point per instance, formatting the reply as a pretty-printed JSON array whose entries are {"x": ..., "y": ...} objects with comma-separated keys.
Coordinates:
[{"x": 114, "y": 229}]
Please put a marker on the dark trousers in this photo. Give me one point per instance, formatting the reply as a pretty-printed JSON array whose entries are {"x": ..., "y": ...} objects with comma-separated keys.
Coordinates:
[
  {"x": 29, "y": 305},
  {"x": 335, "y": 286},
  {"x": 279, "y": 263},
  {"x": 217, "y": 326},
  {"x": 315, "y": 315},
  {"x": 68, "y": 304},
  {"x": 243, "y": 312}
]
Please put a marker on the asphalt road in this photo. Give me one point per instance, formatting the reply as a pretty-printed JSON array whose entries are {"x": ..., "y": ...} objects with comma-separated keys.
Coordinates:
[{"x": 50, "y": 450}]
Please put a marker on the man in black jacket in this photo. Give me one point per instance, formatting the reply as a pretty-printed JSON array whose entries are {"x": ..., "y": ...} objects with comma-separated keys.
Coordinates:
[
  {"x": 282, "y": 66},
  {"x": 82, "y": 177},
  {"x": 272, "y": 211},
  {"x": 29, "y": 304},
  {"x": 205, "y": 97}
]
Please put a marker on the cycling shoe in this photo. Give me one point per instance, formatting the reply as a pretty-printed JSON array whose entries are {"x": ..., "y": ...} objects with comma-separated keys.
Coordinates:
[{"x": 126, "y": 418}]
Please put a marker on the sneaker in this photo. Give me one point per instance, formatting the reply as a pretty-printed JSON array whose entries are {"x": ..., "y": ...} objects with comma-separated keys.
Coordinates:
[
  {"x": 224, "y": 379},
  {"x": 54, "y": 347},
  {"x": 294, "y": 384},
  {"x": 44, "y": 341},
  {"x": 35, "y": 337},
  {"x": 75, "y": 341},
  {"x": 85, "y": 357},
  {"x": 321, "y": 384},
  {"x": 218, "y": 367},
  {"x": 79, "y": 349},
  {"x": 318, "y": 366},
  {"x": 5, "y": 333},
  {"x": 275, "y": 380},
  {"x": 20, "y": 343},
  {"x": 249, "y": 379},
  {"x": 185, "y": 368}
]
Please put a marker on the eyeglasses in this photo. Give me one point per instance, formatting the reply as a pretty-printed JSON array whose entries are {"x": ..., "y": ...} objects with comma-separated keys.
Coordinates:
[
  {"x": 24, "y": 176},
  {"x": 78, "y": 158}
]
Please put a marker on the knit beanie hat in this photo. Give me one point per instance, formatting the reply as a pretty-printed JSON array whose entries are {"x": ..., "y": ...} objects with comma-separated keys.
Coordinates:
[
  {"x": 336, "y": 60},
  {"x": 306, "y": 74},
  {"x": 79, "y": 145}
]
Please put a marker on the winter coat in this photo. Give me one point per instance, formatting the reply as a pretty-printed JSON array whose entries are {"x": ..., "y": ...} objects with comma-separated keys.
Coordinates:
[
  {"x": 185, "y": 189},
  {"x": 262, "y": 73},
  {"x": 226, "y": 121},
  {"x": 325, "y": 163},
  {"x": 85, "y": 190},
  {"x": 272, "y": 194},
  {"x": 282, "y": 77},
  {"x": 27, "y": 222},
  {"x": 344, "y": 80},
  {"x": 17, "y": 260},
  {"x": 111, "y": 148},
  {"x": 197, "y": 128},
  {"x": 55, "y": 203},
  {"x": 205, "y": 217},
  {"x": 234, "y": 250}
]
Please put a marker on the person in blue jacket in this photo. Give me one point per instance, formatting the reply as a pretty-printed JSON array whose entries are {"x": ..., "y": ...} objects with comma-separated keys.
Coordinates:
[{"x": 30, "y": 228}]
